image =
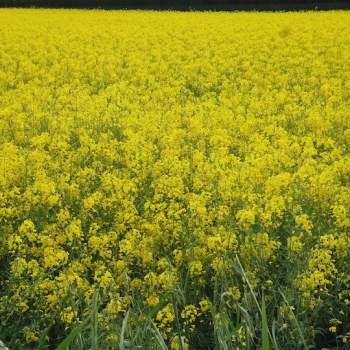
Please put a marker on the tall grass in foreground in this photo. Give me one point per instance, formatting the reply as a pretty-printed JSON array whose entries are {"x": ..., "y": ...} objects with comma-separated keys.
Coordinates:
[{"x": 247, "y": 324}]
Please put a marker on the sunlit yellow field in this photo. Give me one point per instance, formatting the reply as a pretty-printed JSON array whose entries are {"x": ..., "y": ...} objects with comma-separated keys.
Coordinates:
[{"x": 173, "y": 180}]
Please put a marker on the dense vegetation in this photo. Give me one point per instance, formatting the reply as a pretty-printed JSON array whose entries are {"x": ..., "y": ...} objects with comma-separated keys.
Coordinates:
[{"x": 174, "y": 180}]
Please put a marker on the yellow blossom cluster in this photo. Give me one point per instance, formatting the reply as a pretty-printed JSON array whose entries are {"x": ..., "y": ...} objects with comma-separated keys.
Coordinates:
[{"x": 142, "y": 153}]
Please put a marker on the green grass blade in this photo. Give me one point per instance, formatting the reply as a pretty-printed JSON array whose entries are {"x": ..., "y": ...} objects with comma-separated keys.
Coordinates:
[
  {"x": 70, "y": 338},
  {"x": 243, "y": 274},
  {"x": 94, "y": 323},
  {"x": 273, "y": 333},
  {"x": 296, "y": 322},
  {"x": 122, "y": 332},
  {"x": 158, "y": 336},
  {"x": 265, "y": 327},
  {"x": 178, "y": 324},
  {"x": 42, "y": 340}
]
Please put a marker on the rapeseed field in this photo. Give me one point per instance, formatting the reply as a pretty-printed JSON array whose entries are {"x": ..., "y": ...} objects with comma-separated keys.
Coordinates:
[{"x": 174, "y": 180}]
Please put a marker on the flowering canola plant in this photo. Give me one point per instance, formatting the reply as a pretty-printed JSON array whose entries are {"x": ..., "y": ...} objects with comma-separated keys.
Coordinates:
[{"x": 144, "y": 154}]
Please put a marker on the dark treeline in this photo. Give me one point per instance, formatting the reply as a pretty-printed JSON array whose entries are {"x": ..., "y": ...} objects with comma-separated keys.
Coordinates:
[{"x": 276, "y": 5}]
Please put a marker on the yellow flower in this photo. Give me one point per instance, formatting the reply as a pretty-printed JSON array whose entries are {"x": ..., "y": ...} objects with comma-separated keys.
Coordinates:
[
  {"x": 332, "y": 329},
  {"x": 246, "y": 218},
  {"x": 165, "y": 316},
  {"x": 152, "y": 300},
  {"x": 30, "y": 335},
  {"x": 67, "y": 315},
  {"x": 176, "y": 341},
  {"x": 294, "y": 244},
  {"x": 304, "y": 222},
  {"x": 106, "y": 279},
  {"x": 195, "y": 268}
]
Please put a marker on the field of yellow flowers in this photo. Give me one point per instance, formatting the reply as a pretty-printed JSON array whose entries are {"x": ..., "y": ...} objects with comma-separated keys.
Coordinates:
[{"x": 174, "y": 180}]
